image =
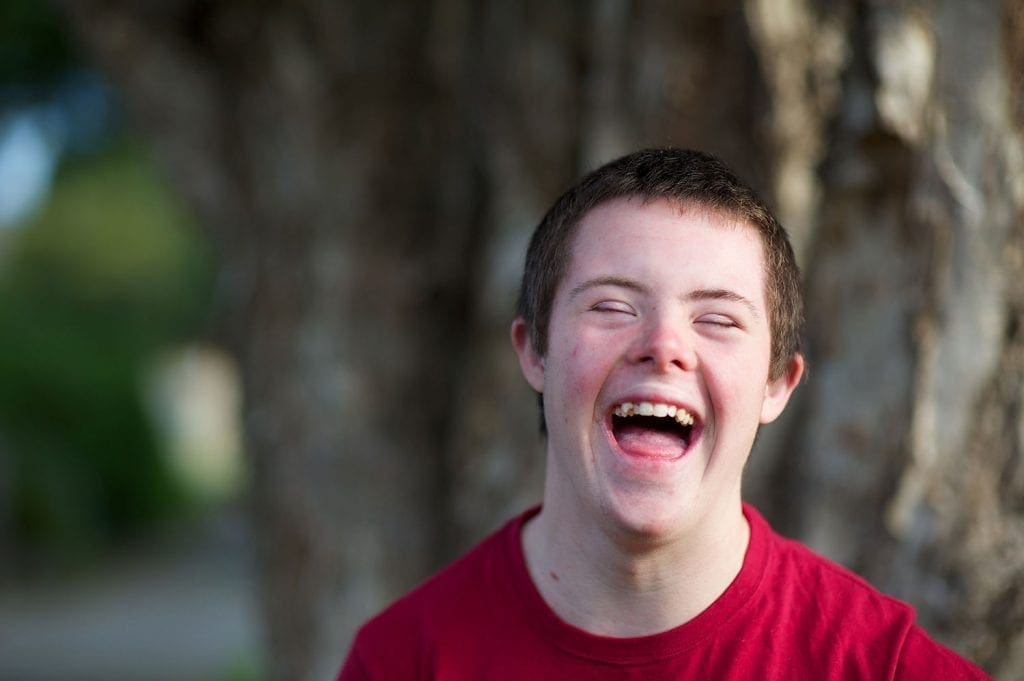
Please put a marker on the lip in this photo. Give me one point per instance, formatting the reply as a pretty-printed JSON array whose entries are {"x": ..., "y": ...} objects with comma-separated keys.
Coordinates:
[{"x": 696, "y": 429}]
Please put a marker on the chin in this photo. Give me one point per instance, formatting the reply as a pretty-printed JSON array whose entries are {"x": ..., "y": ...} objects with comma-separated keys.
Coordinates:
[{"x": 649, "y": 519}]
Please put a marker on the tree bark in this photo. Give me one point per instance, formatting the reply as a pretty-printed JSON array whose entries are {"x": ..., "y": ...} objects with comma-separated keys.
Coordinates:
[
  {"x": 904, "y": 456},
  {"x": 371, "y": 173}
]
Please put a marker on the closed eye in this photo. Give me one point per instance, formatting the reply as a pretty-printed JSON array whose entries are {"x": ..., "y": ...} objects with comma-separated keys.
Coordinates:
[
  {"x": 614, "y": 306},
  {"x": 718, "y": 320}
]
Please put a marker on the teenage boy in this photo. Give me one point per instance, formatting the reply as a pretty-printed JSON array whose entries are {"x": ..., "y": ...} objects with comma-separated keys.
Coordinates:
[{"x": 659, "y": 320}]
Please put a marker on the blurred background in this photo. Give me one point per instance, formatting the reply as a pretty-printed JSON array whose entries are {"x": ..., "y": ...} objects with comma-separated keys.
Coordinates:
[
  {"x": 124, "y": 547},
  {"x": 258, "y": 261}
]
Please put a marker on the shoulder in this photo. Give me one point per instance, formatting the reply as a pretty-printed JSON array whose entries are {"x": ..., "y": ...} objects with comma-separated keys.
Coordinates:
[
  {"x": 401, "y": 640},
  {"x": 823, "y": 591},
  {"x": 837, "y": 591},
  {"x": 922, "y": 658},
  {"x": 871, "y": 632}
]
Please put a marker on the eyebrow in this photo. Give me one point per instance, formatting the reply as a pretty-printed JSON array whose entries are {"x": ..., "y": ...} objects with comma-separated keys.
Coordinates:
[
  {"x": 620, "y": 282},
  {"x": 698, "y": 294},
  {"x": 723, "y": 294}
]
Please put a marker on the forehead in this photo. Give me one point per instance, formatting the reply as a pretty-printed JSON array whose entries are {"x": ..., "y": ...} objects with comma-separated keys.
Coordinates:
[{"x": 668, "y": 244}]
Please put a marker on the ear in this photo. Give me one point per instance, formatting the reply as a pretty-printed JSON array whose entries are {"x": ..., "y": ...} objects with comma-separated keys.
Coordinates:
[
  {"x": 777, "y": 392},
  {"x": 530, "y": 363}
]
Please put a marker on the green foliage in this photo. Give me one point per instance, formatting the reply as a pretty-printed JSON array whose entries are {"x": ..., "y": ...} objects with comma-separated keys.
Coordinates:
[
  {"x": 107, "y": 275},
  {"x": 33, "y": 45},
  {"x": 246, "y": 667}
]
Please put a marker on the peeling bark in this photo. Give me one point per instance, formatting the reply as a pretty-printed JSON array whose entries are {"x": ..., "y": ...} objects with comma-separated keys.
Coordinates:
[{"x": 906, "y": 457}]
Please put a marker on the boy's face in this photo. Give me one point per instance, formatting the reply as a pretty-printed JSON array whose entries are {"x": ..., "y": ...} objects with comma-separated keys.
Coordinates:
[{"x": 663, "y": 307}]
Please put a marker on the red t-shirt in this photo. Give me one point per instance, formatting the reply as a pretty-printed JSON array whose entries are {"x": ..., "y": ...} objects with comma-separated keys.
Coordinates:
[{"x": 789, "y": 614}]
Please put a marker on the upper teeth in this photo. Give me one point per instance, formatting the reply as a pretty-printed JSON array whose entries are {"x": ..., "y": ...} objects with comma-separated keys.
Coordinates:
[{"x": 655, "y": 409}]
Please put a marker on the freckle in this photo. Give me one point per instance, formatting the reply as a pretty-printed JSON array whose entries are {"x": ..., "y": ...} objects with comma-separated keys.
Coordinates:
[{"x": 554, "y": 576}]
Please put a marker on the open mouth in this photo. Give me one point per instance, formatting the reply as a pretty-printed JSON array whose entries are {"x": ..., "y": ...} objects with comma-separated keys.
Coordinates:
[{"x": 653, "y": 429}]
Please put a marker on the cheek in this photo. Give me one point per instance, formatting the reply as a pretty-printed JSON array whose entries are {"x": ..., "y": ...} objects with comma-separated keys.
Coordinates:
[
  {"x": 584, "y": 358},
  {"x": 581, "y": 368},
  {"x": 734, "y": 383}
]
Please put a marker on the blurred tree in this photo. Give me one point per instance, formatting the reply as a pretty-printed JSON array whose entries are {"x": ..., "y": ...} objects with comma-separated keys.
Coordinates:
[
  {"x": 34, "y": 47},
  {"x": 104, "y": 277},
  {"x": 371, "y": 172}
]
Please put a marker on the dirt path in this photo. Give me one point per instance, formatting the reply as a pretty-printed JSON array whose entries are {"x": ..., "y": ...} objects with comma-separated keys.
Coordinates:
[{"x": 183, "y": 610}]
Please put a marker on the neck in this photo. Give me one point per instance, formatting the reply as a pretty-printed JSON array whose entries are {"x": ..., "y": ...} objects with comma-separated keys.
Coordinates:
[{"x": 609, "y": 586}]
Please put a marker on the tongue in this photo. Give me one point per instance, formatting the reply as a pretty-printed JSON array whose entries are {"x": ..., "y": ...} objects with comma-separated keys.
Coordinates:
[{"x": 641, "y": 441}]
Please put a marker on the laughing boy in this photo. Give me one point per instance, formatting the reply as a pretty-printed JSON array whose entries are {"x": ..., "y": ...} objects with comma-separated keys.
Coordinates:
[{"x": 659, "y": 318}]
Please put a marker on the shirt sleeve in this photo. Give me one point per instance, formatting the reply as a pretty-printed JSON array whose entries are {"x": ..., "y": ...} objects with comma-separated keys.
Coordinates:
[{"x": 922, "y": 659}]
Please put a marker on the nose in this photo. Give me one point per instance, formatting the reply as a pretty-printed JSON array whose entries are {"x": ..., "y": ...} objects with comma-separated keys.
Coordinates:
[{"x": 665, "y": 345}]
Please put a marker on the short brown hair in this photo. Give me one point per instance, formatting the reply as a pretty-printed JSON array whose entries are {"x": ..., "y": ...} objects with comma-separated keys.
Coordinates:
[{"x": 684, "y": 176}]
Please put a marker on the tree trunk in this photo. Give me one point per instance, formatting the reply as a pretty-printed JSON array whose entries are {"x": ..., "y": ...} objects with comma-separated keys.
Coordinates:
[
  {"x": 903, "y": 455},
  {"x": 371, "y": 173}
]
